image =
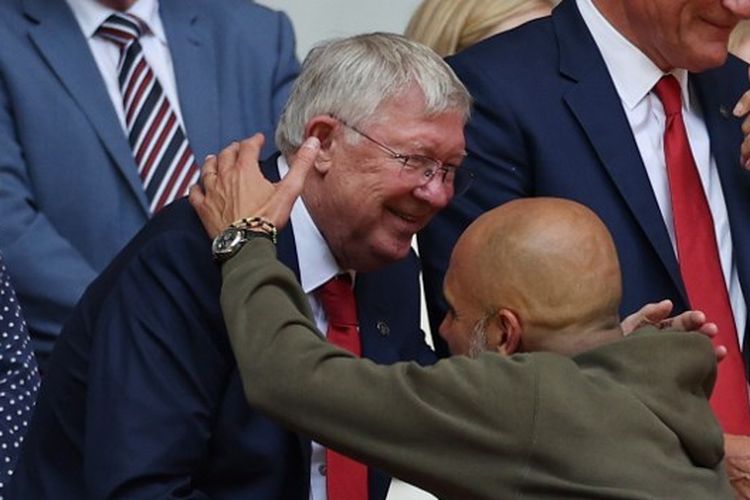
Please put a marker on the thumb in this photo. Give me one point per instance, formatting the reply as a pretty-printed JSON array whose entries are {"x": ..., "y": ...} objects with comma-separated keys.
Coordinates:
[
  {"x": 291, "y": 186},
  {"x": 658, "y": 311}
]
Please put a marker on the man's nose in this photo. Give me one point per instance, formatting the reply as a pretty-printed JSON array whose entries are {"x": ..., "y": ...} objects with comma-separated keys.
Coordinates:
[{"x": 436, "y": 192}]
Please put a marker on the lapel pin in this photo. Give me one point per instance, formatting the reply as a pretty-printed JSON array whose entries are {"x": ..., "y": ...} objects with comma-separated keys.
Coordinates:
[
  {"x": 724, "y": 112},
  {"x": 383, "y": 328}
]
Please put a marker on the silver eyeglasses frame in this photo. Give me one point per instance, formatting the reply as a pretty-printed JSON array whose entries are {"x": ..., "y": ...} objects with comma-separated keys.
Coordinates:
[{"x": 460, "y": 178}]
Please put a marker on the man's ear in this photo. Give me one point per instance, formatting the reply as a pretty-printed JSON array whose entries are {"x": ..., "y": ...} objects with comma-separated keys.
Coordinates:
[
  {"x": 322, "y": 127},
  {"x": 505, "y": 334}
]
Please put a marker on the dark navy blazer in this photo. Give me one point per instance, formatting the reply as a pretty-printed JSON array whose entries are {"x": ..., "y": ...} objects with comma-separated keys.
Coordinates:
[
  {"x": 143, "y": 399},
  {"x": 547, "y": 121}
]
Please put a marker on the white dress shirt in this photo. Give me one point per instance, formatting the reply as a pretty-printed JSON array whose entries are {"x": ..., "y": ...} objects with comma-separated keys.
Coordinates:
[
  {"x": 634, "y": 76},
  {"x": 90, "y": 14},
  {"x": 316, "y": 266}
]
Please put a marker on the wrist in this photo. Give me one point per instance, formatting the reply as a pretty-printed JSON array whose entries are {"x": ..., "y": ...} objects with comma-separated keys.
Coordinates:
[
  {"x": 258, "y": 225},
  {"x": 229, "y": 242}
]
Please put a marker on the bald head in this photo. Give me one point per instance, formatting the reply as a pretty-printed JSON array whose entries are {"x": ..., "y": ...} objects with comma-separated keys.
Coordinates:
[{"x": 549, "y": 261}]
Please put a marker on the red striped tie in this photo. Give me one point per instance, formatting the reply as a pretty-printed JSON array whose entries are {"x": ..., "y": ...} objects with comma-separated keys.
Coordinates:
[
  {"x": 346, "y": 479},
  {"x": 165, "y": 161},
  {"x": 700, "y": 266}
]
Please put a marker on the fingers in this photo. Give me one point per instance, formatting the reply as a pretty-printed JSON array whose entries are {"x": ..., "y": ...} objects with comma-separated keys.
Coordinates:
[
  {"x": 233, "y": 186},
  {"x": 227, "y": 158},
  {"x": 657, "y": 312},
  {"x": 208, "y": 172},
  {"x": 737, "y": 463},
  {"x": 720, "y": 352},
  {"x": 249, "y": 151},
  {"x": 745, "y": 146},
  {"x": 742, "y": 106},
  {"x": 195, "y": 196},
  {"x": 650, "y": 314},
  {"x": 279, "y": 206},
  {"x": 209, "y": 217},
  {"x": 689, "y": 320}
]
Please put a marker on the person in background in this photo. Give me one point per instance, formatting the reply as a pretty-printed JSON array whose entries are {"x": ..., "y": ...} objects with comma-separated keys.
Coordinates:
[
  {"x": 556, "y": 402},
  {"x": 142, "y": 398},
  {"x": 449, "y": 26},
  {"x": 19, "y": 378},
  {"x": 624, "y": 106},
  {"x": 105, "y": 106}
]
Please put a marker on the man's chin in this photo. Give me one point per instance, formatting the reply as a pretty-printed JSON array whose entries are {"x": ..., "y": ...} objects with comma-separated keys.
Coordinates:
[{"x": 395, "y": 250}]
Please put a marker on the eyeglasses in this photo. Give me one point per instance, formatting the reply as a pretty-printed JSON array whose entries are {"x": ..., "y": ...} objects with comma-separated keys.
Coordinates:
[{"x": 421, "y": 170}]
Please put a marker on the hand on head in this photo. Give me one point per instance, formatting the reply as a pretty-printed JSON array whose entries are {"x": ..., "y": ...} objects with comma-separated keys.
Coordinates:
[{"x": 232, "y": 186}]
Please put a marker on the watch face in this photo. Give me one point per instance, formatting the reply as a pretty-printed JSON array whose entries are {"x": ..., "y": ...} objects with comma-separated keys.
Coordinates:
[{"x": 226, "y": 242}]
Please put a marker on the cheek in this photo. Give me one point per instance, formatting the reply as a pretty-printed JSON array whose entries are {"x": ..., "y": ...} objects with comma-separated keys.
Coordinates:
[{"x": 450, "y": 331}]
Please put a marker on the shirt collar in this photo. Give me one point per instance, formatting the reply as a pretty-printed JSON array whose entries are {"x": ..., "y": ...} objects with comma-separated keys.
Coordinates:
[
  {"x": 90, "y": 14},
  {"x": 317, "y": 264},
  {"x": 633, "y": 73}
]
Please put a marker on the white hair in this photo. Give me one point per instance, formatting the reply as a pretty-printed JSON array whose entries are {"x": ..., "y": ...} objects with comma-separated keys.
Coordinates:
[{"x": 351, "y": 77}]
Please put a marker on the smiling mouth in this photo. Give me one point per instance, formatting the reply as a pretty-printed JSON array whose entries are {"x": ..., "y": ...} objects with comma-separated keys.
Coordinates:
[
  {"x": 414, "y": 221},
  {"x": 728, "y": 24}
]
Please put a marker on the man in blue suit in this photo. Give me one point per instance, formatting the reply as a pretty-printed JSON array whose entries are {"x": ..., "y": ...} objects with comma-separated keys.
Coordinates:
[
  {"x": 70, "y": 191},
  {"x": 142, "y": 398},
  {"x": 565, "y": 107}
]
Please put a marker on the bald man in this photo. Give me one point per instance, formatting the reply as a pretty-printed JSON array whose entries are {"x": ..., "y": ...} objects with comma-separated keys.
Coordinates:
[{"x": 551, "y": 401}]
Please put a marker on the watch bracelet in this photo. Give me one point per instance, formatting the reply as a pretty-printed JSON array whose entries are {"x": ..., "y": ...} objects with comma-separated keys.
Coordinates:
[{"x": 258, "y": 225}]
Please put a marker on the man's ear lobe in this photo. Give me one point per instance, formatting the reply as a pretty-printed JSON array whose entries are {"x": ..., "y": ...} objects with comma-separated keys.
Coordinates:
[
  {"x": 322, "y": 127},
  {"x": 508, "y": 331}
]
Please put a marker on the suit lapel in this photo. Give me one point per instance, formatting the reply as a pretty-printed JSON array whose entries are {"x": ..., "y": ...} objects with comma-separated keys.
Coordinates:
[
  {"x": 594, "y": 102},
  {"x": 191, "y": 45},
  {"x": 374, "y": 313},
  {"x": 62, "y": 45},
  {"x": 286, "y": 247},
  {"x": 725, "y": 133},
  {"x": 286, "y": 250}
]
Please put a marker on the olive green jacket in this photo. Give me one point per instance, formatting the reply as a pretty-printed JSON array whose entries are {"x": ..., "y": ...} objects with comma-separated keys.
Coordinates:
[{"x": 626, "y": 420}]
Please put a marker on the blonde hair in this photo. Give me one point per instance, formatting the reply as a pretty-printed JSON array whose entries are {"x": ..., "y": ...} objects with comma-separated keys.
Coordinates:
[{"x": 448, "y": 26}]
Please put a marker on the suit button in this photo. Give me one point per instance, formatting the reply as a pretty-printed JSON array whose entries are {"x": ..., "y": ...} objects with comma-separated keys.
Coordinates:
[{"x": 383, "y": 328}]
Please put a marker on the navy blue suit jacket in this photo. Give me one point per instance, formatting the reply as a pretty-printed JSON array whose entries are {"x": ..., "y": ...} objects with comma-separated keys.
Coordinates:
[
  {"x": 143, "y": 399},
  {"x": 547, "y": 121},
  {"x": 70, "y": 196}
]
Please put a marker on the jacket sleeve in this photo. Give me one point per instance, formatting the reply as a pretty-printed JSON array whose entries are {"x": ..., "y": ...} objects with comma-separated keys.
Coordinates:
[
  {"x": 158, "y": 373},
  {"x": 401, "y": 418}
]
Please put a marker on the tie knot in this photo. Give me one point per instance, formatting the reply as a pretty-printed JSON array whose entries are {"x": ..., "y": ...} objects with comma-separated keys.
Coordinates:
[
  {"x": 121, "y": 28},
  {"x": 668, "y": 91},
  {"x": 337, "y": 298}
]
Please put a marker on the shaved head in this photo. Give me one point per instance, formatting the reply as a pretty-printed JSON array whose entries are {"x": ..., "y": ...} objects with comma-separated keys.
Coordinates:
[{"x": 551, "y": 262}]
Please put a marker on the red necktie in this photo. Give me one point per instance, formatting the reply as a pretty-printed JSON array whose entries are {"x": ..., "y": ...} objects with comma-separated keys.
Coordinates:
[
  {"x": 346, "y": 479},
  {"x": 700, "y": 266},
  {"x": 165, "y": 161}
]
